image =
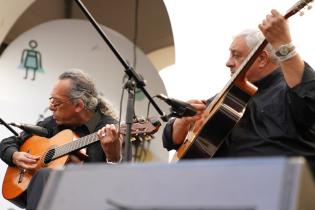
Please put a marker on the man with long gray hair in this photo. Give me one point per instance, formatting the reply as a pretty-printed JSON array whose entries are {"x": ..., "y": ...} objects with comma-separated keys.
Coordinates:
[{"x": 75, "y": 105}]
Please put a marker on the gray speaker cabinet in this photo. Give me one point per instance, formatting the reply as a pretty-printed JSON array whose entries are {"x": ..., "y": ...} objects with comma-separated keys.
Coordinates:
[{"x": 218, "y": 184}]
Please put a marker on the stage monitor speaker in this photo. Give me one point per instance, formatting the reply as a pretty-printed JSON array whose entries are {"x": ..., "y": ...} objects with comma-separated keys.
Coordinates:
[{"x": 218, "y": 184}]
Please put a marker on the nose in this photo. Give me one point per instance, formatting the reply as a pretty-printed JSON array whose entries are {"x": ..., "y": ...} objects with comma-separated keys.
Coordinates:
[
  {"x": 229, "y": 63},
  {"x": 52, "y": 107}
]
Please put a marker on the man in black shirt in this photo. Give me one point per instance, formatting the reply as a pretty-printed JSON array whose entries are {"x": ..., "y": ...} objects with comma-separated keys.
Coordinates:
[
  {"x": 75, "y": 105},
  {"x": 278, "y": 118}
]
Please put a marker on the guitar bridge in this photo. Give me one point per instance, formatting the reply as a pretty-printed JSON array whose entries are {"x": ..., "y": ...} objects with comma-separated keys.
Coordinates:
[{"x": 21, "y": 175}]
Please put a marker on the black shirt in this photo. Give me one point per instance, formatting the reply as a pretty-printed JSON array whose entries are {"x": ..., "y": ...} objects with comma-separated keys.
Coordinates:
[
  {"x": 94, "y": 151},
  {"x": 278, "y": 120}
]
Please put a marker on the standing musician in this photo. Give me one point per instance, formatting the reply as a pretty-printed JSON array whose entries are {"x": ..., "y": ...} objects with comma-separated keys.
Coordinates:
[
  {"x": 279, "y": 117},
  {"x": 75, "y": 105}
]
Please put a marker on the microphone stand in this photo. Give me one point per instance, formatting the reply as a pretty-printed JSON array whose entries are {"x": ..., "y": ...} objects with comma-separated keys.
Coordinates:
[
  {"x": 8, "y": 127},
  {"x": 134, "y": 81}
]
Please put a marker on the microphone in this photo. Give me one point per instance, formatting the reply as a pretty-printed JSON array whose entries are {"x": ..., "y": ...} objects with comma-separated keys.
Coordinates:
[
  {"x": 179, "y": 108},
  {"x": 33, "y": 129}
]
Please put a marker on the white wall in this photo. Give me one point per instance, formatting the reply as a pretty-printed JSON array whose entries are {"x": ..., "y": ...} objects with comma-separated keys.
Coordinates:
[{"x": 203, "y": 31}]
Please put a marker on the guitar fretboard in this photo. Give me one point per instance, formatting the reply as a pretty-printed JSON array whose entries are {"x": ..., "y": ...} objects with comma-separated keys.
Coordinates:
[{"x": 70, "y": 147}]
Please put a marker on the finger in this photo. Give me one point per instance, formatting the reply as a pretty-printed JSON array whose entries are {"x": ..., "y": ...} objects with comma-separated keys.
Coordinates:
[
  {"x": 265, "y": 23},
  {"x": 188, "y": 120},
  {"x": 29, "y": 160},
  {"x": 28, "y": 166},
  {"x": 30, "y": 156},
  {"x": 113, "y": 129},
  {"x": 200, "y": 107},
  {"x": 195, "y": 101},
  {"x": 107, "y": 130},
  {"x": 105, "y": 134},
  {"x": 268, "y": 18},
  {"x": 275, "y": 13},
  {"x": 195, "y": 118},
  {"x": 99, "y": 133}
]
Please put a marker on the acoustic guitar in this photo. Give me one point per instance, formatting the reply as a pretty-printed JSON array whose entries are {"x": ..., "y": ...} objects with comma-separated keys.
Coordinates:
[
  {"x": 54, "y": 153},
  {"x": 226, "y": 109}
]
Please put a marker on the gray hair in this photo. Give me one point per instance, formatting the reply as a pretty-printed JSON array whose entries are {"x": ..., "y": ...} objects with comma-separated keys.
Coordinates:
[
  {"x": 82, "y": 87},
  {"x": 253, "y": 37}
]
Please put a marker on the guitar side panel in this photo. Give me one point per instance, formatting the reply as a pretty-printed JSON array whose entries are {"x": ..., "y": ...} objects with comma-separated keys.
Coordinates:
[{"x": 207, "y": 143}]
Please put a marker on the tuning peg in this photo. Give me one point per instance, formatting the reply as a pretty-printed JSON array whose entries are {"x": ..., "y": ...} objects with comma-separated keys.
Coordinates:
[
  {"x": 148, "y": 137},
  {"x": 301, "y": 13},
  {"x": 309, "y": 7}
]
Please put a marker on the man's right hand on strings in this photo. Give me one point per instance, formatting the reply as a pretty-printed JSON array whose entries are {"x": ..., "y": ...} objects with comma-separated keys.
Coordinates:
[
  {"x": 25, "y": 160},
  {"x": 181, "y": 125}
]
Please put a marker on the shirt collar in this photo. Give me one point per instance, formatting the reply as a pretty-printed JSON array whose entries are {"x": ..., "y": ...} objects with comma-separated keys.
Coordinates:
[
  {"x": 93, "y": 121},
  {"x": 269, "y": 80}
]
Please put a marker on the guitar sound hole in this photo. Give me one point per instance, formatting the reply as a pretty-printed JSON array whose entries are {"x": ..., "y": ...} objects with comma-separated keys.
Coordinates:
[{"x": 49, "y": 155}]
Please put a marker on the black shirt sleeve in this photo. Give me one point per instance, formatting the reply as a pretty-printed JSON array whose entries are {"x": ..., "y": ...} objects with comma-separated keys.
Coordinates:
[
  {"x": 302, "y": 99},
  {"x": 12, "y": 144},
  {"x": 167, "y": 136}
]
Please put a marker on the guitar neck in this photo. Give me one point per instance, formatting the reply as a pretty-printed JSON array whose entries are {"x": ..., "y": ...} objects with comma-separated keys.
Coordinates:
[
  {"x": 142, "y": 128},
  {"x": 74, "y": 145}
]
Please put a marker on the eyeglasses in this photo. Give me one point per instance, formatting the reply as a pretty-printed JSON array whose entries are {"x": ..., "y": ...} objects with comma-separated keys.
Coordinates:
[{"x": 57, "y": 102}]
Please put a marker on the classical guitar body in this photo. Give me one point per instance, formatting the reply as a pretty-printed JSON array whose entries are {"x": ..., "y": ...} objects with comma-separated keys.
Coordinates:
[
  {"x": 54, "y": 153},
  {"x": 16, "y": 180},
  {"x": 220, "y": 120}
]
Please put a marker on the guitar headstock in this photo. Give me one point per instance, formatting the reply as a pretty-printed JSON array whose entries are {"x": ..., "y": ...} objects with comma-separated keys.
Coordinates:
[
  {"x": 143, "y": 127},
  {"x": 298, "y": 7}
]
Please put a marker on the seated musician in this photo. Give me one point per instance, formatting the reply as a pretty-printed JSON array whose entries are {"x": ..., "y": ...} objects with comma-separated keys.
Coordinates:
[
  {"x": 75, "y": 105},
  {"x": 278, "y": 119}
]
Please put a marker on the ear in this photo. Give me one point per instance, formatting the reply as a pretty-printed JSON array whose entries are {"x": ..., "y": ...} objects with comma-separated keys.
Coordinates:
[
  {"x": 79, "y": 106},
  {"x": 263, "y": 59}
]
